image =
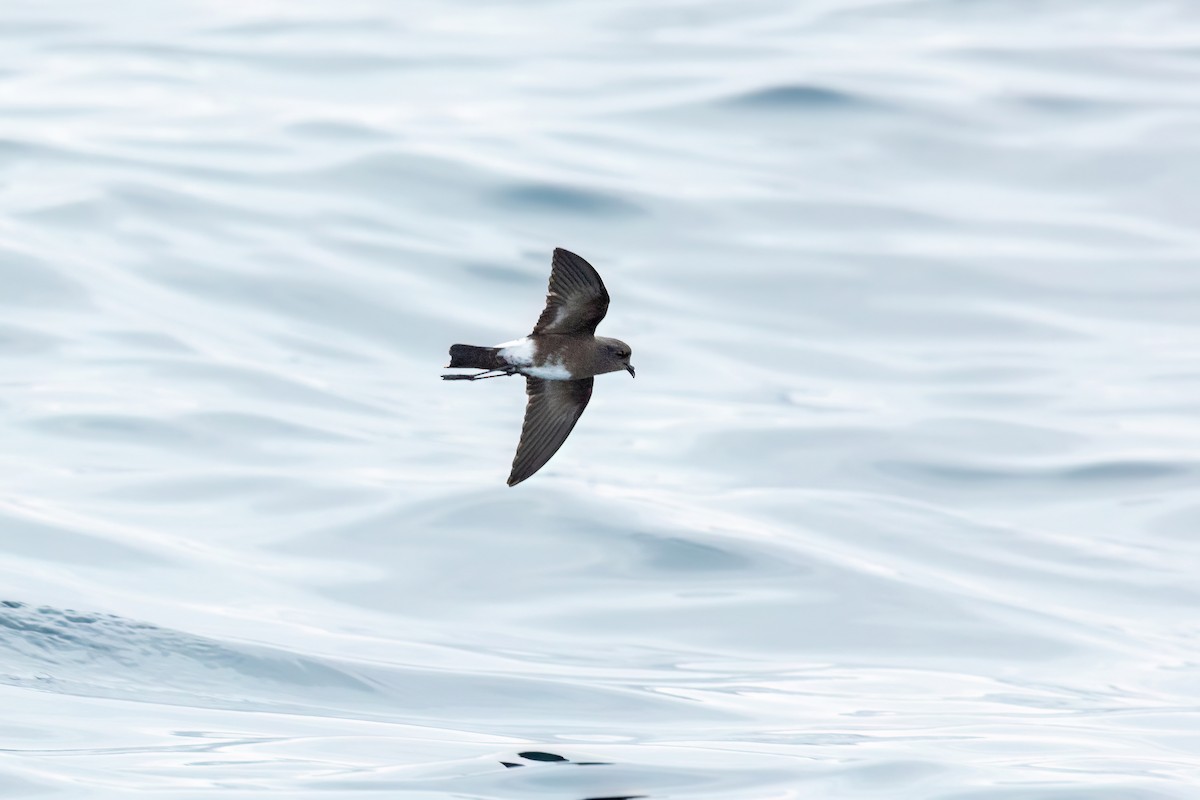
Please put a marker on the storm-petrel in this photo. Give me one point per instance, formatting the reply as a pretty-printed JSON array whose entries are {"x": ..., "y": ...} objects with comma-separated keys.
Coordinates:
[{"x": 558, "y": 360}]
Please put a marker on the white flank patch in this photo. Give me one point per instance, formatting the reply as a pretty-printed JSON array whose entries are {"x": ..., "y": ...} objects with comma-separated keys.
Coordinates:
[
  {"x": 554, "y": 371},
  {"x": 518, "y": 352}
]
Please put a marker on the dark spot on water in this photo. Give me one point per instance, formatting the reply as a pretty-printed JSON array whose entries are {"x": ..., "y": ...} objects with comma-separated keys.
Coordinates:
[
  {"x": 545, "y": 197},
  {"x": 537, "y": 755},
  {"x": 553, "y": 758},
  {"x": 12, "y": 604}
]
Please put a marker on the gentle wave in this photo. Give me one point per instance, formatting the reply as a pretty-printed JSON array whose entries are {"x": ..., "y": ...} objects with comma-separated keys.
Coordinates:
[{"x": 901, "y": 502}]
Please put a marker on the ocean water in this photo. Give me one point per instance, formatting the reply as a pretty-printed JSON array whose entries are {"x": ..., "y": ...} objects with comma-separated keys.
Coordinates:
[{"x": 903, "y": 503}]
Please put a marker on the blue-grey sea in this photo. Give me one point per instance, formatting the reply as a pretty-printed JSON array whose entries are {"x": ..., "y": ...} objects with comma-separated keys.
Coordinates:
[{"x": 904, "y": 502}]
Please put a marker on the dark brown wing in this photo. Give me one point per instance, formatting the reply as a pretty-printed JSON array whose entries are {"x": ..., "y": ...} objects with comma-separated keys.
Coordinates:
[
  {"x": 553, "y": 409},
  {"x": 577, "y": 299}
]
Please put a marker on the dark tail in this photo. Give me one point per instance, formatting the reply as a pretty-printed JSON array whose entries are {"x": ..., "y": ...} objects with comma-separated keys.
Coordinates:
[{"x": 466, "y": 356}]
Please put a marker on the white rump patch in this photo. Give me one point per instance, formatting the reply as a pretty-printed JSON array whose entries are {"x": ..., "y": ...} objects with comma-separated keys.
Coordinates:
[{"x": 518, "y": 352}]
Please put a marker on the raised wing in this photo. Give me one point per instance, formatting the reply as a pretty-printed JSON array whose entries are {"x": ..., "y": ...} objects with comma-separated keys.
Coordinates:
[
  {"x": 577, "y": 299},
  {"x": 552, "y": 411}
]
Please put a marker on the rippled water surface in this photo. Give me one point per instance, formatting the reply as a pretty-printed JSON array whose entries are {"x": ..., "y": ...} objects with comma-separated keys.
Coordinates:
[{"x": 904, "y": 502}]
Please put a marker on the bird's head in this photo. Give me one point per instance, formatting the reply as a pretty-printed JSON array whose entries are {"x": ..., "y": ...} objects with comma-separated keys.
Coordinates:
[{"x": 614, "y": 356}]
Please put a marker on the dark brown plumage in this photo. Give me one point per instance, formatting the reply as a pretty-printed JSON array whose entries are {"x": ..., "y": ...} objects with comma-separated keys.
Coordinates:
[
  {"x": 559, "y": 360},
  {"x": 551, "y": 412},
  {"x": 576, "y": 300}
]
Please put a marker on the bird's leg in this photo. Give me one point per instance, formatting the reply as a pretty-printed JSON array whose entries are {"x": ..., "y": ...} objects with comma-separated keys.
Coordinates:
[
  {"x": 491, "y": 373},
  {"x": 487, "y": 373}
]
